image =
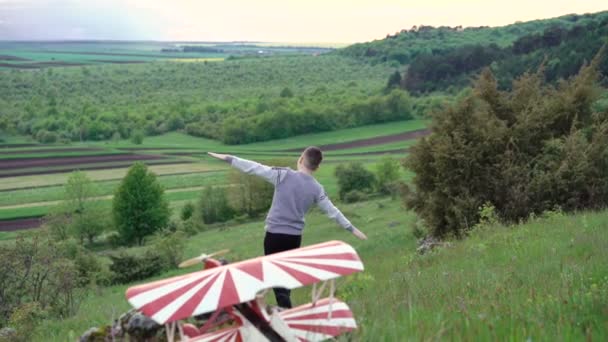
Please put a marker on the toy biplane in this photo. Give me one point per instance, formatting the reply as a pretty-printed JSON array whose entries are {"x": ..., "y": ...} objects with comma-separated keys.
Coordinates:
[{"x": 232, "y": 296}]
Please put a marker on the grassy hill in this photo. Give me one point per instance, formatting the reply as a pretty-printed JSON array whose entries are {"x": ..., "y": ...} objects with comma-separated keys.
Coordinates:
[{"x": 545, "y": 280}]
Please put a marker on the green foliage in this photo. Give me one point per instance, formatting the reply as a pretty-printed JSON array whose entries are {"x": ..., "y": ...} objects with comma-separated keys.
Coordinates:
[
  {"x": 139, "y": 206},
  {"x": 187, "y": 211},
  {"x": 128, "y": 268},
  {"x": 387, "y": 175},
  {"x": 304, "y": 115},
  {"x": 353, "y": 176},
  {"x": 354, "y": 196},
  {"x": 170, "y": 245},
  {"x": 403, "y": 47},
  {"x": 137, "y": 137},
  {"x": 213, "y": 206},
  {"x": 24, "y": 320},
  {"x": 394, "y": 81},
  {"x": 524, "y": 151},
  {"x": 286, "y": 92},
  {"x": 561, "y": 51},
  {"x": 34, "y": 270},
  {"x": 201, "y": 98}
]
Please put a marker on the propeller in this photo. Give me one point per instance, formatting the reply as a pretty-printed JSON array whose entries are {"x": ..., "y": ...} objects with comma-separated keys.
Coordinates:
[{"x": 201, "y": 258}]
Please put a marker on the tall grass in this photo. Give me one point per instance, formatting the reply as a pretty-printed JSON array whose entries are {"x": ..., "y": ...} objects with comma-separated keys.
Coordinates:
[{"x": 546, "y": 280}]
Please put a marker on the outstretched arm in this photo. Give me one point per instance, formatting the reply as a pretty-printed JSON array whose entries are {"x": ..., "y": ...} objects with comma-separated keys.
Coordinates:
[
  {"x": 249, "y": 167},
  {"x": 334, "y": 213}
]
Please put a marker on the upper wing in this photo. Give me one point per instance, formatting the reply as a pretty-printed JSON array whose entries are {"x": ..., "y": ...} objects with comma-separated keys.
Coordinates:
[{"x": 208, "y": 290}]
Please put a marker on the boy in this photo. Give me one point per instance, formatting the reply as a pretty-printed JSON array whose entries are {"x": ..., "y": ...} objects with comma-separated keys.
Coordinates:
[{"x": 295, "y": 192}]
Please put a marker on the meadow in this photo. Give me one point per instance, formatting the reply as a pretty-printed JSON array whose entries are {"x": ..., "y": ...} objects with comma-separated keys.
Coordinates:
[{"x": 542, "y": 281}]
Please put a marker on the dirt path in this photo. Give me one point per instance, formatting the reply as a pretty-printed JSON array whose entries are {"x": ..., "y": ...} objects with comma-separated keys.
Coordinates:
[
  {"x": 370, "y": 141},
  {"x": 20, "y": 224}
]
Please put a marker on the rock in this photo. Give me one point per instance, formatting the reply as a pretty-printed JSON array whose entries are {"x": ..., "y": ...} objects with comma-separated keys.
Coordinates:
[
  {"x": 393, "y": 224},
  {"x": 428, "y": 243},
  {"x": 8, "y": 334},
  {"x": 142, "y": 327}
]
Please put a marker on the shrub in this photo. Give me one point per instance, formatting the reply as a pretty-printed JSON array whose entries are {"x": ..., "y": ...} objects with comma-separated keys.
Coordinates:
[
  {"x": 387, "y": 175},
  {"x": 139, "y": 205},
  {"x": 353, "y": 176},
  {"x": 354, "y": 196},
  {"x": 127, "y": 268},
  {"x": 34, "y": 269},
  {"x": 170, "y": 245},
  {"x": 525, "y": 151},
  {"x": 187, "y": 211},
  {"x": 137, "y": 137},
  {"x": 213, "y": 206},
  {"x": 24, "y": 320}
]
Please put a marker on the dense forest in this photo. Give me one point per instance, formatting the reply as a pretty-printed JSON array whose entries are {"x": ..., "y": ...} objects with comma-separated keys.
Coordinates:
[
  {"x": 403, "y": 47},
  {"x": 214, "y": 99},
  {"x": 445, "y": 59}
]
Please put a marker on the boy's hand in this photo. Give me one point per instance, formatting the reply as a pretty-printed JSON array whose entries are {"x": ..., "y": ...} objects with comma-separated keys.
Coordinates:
[
  {"x": 218, "y": 155},
  {"x": 359, "y": 234}
]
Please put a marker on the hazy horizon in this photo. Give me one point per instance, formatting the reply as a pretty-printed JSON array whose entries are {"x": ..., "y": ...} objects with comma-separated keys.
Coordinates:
[{"x": 312, "y": 21}]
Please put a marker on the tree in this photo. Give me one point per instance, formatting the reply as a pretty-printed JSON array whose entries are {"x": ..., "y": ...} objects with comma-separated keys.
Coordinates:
[
  {"x": 387, "y": 175},
  {"x": 353, "y": 177},
  {"x": 137, "y": 137},
  {"x": 139, "y": 207},
  {"x": 213, "y": 206},
  {"x": 523, "y": 152},
  {"x": 394, "y": 81},
  {"x": 87, "y": 218},
  {"x": 286, "y": 92}
]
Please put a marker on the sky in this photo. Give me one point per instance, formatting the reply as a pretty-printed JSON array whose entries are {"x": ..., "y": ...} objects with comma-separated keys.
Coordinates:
[{"x": 329, "y": 21}]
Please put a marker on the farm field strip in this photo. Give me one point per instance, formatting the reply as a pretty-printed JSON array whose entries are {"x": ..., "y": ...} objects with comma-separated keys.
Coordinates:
[
  {"x": 22, "y": 163},
  {"x": 176, "y": 168},
  {"x": 95, "y": 166},
  {"x": 71, "y": 153},
  {"x": 178, "y": 141},
  {"x": 97, "y": 198},
  {"x": 103, "y": 188},
  {"x": 45, "y": 149}
]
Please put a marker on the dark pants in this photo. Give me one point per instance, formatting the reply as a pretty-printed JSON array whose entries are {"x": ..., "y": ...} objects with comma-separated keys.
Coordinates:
[{"x": 275, "y": 243}]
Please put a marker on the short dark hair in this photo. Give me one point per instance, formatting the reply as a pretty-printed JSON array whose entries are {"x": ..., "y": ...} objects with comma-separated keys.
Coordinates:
[{"x": 312, "y": 157}]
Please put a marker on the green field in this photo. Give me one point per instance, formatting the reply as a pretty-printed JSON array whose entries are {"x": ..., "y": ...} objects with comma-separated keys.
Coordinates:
[
  {"x": 29, "y": 193},
  {"x": 542, "y": 281},
  {"x": 28, "y": 55}
]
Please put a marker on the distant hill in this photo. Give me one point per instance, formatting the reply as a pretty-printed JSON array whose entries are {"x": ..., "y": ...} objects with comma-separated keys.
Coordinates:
[{"x": 444, "y": 58}]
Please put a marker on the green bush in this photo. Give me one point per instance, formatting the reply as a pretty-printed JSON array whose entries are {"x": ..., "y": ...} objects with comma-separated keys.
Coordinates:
[
  {"x": 525, "y": 151},
  {"x": 187, "y": 211},
  {"x": 139, "y": 205},
  {"x": 137, "y": 137},
  {"x": 170, "y": 245},
  {"x": 34, "y": 269},
  {"x": 353, "y": 176},
  {"x": 213, "y": 206},
  {"x": 387, "y": 175},
  {"x": 24, "y": 320},
  {"x": 354, "y": 196},
  {"x": 127, "y": 268}
]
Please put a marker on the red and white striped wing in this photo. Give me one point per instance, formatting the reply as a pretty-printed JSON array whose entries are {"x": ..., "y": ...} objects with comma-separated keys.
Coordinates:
[
  {"x": 206, "y": 291},
  {"x": 312, "y": 323},
  {"x": 226, "y": 335}
]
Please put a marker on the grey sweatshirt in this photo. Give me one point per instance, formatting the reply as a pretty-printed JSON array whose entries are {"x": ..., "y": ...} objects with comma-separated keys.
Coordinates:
[{"x": 294, "y": 193}]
